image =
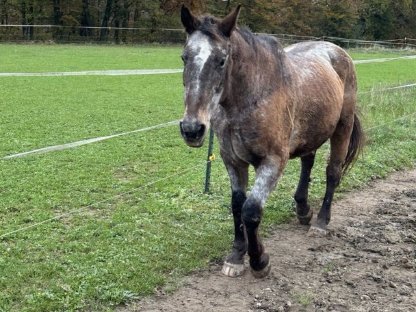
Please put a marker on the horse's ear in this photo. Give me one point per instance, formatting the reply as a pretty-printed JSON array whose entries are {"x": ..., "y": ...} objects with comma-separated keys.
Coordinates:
[
  {"x": 229, "y": 22},
  {"x": 189, "y": 21}
]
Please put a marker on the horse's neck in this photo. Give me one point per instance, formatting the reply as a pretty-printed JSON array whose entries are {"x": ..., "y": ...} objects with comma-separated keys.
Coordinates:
[{"x": 255, "y": 73}]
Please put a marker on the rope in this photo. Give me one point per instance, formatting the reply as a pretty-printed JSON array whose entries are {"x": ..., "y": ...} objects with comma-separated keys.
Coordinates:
[
  {"x": 211, "y": 159},
  {"x": 390, "y": 122},
  {"x": 390, "y": 89},
  {"x": 80, "y": 209}
]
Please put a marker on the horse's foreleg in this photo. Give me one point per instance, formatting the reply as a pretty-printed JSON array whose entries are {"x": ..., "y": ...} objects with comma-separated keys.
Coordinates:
[
  {"x": 234, "y": 263},
  {"x": 303, "y": 210},
  {"x": 266, "y": 178}
]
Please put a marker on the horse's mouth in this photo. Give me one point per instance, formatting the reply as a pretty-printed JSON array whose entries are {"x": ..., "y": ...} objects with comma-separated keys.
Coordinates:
[{"x": 193, "y": 143}]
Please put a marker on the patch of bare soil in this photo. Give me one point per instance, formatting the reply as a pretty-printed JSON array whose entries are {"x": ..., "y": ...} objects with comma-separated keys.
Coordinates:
[{"x": 367, "y": 263}]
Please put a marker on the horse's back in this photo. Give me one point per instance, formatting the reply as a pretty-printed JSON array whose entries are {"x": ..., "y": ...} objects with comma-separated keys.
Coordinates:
[{"x": 305, "y": 53}]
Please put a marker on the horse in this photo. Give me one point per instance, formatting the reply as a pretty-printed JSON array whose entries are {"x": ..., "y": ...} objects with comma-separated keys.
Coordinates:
[{"x": 267, "y": 104}]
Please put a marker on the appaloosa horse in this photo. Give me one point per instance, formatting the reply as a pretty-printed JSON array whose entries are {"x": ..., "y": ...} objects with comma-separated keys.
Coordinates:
[{"x": 266, "y": 105}]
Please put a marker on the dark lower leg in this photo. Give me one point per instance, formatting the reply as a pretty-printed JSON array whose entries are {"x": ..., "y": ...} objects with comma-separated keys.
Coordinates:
[
  {"x": 339, "y": 148},
  {"x": 252, "y": 214},
  {"x": 240, "y": 244},
  {"x": 333, "y": 179},
  {"x": 301, "y": 195}
]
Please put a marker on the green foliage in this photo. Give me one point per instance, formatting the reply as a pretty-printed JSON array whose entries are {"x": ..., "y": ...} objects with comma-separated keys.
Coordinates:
[{"x": 369, "y": 19}]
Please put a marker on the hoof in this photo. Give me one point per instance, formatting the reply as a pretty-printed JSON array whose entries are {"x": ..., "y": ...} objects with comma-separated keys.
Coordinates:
[
  {"x": 304, "y": 220},
  {"x": 232, "y": 270},
  {"x": 262, "y": 273},
  {"x": 315, "y": 231}
]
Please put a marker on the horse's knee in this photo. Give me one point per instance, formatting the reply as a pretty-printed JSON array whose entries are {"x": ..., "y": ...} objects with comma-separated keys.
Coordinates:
[
  {"x": 237, "y": 200},
  {"x": 251, "y": 213},
  {"x": 333, "y": 175}
]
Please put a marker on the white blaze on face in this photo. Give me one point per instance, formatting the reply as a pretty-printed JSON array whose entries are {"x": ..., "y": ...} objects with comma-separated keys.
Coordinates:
[
  {"x": 202, "y": 48},
  {"x": 200, "y": 45}
]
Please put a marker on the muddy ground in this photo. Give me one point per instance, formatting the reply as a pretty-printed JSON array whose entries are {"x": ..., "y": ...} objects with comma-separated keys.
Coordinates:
[{"x": 367, "y": 263}]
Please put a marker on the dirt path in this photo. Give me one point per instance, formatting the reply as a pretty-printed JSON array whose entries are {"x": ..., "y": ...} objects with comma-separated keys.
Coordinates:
[{"x": 368, "y": 263}]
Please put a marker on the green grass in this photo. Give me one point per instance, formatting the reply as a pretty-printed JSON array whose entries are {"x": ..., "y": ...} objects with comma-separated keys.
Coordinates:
[
  {"x": 134, "y": 217},
  {"x": 58, "y": 110},
  {"x": 378, "y": 75},
  {"x": 19, "y": 58},
  {"x": 366, "y": 54}
]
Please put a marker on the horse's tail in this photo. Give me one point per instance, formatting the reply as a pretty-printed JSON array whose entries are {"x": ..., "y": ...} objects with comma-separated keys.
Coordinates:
[{"x": 356, "y": 144}]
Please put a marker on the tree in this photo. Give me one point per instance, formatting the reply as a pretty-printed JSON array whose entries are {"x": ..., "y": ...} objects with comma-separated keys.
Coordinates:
[
  {"x": 367, "y": 19},
  {"x": 105, "y": 20},
  {"x": 376, "y": 19},
  {"x": 4, "y": 14},
  {"x": 85, "y": 19},
  {"x": 336, "y": 19},
  {"x": 57, "y": 18},
  {"x": 27, "y": 18}
]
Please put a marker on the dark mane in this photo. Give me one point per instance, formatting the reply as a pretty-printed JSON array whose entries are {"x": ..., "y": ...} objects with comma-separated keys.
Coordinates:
[
  {"x": 254, "y": 39},
  {"x": 261, "y": 43}
]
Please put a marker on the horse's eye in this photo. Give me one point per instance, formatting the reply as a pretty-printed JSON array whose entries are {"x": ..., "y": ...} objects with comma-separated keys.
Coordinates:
[
  {"x": 184, "y": 58},
  {"x": 222, "y": 62}
]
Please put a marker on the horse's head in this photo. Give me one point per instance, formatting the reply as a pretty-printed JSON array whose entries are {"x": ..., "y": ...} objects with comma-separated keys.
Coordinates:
[{"x": 206, "y": 57}]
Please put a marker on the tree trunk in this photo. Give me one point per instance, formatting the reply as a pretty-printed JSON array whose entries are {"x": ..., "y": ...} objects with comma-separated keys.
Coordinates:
[
  {"x": 30, "y": 18},
  {"x": 27, "y": 17},
  {"x": 85, "y": 20},
  {"x": 227, "y": 7},
  {"x": 125, "y": 20},
  {"x": 4, "y": 15},
  {"x": 23, "y": 18},
  {"x": 106, "y": 18},
  {"x": 116, "y": 12},
  {"x": 57, "y": 19}
]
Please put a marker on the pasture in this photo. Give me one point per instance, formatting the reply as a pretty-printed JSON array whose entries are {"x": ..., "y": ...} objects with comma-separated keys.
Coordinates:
[{"x": 99, "y": 225}]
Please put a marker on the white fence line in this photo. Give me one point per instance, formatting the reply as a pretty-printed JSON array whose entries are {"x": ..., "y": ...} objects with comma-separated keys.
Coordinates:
[
  {"x": 382, "y": 60},
  {"x": 91, "y": 27},
  {"x": 125, "y": 72},
  {"x": 411, "y": 85},
  {"x": 110, "y": 72},
  {"x": 164, "y": 125},
  {"x": 88, "y": 141},
  {"x": 80, "y": 209},
  {"x": 409, "y": 42}
]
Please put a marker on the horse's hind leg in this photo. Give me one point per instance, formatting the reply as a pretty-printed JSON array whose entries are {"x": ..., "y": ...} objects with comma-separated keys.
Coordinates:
[
  {"x": 339, "y": 148},
  {"x": 234, "y": 263},
  {"x": 303, "y": 210}
]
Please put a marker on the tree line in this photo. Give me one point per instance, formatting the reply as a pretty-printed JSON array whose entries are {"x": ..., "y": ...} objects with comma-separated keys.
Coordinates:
[{"x": 77, "y": 19}]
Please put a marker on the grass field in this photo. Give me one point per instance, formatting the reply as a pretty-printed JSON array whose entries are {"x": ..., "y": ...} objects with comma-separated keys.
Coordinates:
[{"x": 130, "y": 213}]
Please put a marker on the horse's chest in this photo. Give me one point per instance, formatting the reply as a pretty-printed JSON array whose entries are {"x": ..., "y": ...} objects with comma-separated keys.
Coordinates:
[{"x": 244, "y": 147}]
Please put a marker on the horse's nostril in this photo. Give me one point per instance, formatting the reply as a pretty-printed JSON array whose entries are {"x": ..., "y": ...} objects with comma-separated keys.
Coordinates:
[
  {"x": 201, "y": 130},
  {"x": 192, "y": 130}
]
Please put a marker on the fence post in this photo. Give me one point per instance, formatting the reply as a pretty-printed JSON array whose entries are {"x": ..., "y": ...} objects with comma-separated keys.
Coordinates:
[{"x": 209, "y": 161}]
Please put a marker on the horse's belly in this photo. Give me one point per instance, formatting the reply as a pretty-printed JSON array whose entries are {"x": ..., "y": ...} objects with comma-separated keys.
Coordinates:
[
  {"x": 306, "y": 148},
  {"x": 310, "y": 136}
]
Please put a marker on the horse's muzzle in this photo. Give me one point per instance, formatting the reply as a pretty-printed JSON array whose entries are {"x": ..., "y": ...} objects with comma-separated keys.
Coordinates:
[{"x": 193, "y": 132}]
